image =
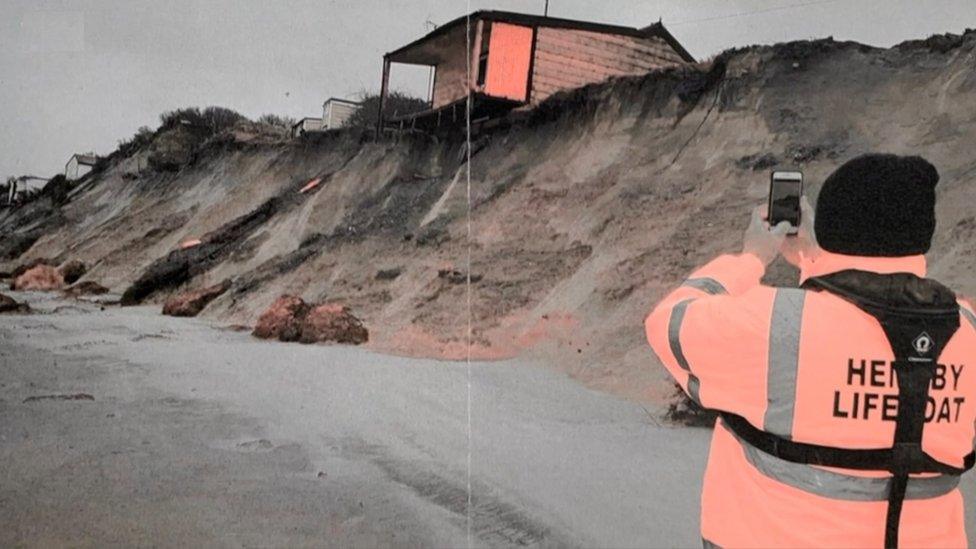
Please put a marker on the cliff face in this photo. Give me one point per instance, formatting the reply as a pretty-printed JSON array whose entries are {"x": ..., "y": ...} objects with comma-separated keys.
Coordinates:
[{"x": 584, "y": 211}]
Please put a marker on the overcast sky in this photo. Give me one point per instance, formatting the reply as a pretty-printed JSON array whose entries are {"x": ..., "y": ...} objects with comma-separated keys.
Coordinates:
[{"x": 79, "y": 75}]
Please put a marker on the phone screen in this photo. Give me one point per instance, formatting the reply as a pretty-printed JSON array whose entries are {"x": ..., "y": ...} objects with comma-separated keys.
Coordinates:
[{"x": 785, "y": 190}]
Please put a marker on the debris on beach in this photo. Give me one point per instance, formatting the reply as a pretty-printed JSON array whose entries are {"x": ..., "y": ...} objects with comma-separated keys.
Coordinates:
[
  {"x": 333, "y": 323},
  {"x": 75, "y": 396},
  {"x": 282, "y": 320},
  {"x": 684, "y": 411},
  {"x": 10, "y": 305},
  {"x": 72, "y": 270},
  {"x": 191, "y": 303},
  {"x": 24, "y": 267},
  {"x": 39, "y": 278},
  {"x": 289, "y": 318},
  {"x": 87, "y": 287}
]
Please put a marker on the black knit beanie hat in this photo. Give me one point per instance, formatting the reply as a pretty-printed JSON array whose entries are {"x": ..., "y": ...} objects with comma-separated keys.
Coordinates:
[{"x": 878, "y": 205}]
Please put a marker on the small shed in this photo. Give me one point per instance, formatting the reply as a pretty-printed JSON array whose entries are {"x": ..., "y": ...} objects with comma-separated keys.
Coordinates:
[
  {"x": 17, "y": 187},
  {"x": 306, "y": 125},
  {"x": 79, "y": 165},
  {"x": 336, "y": 111},
  {"x": 519, "y": 59}
]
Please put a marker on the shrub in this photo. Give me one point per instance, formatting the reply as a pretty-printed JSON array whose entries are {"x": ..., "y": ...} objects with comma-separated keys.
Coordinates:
[
  {"x": 57, "y": 188},
  {"x": 188, "y": 115},
  {"x": 211, "y": 119},
  {"x": 142, "y": 138},
  {"x": 278, "y": 121},
  {"x": 397, "y": 104},
  {"x": 29, "y": 195}
]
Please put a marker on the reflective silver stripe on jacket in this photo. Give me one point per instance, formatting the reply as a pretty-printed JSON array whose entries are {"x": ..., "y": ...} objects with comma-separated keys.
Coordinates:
[
  {"x": 829, "y": 484},
  {"x": 707, "y": 285},
  {"x": 784, "y": 355},
  {"x": 969, "y": 316},
  {"x": 674, "y": 340}
]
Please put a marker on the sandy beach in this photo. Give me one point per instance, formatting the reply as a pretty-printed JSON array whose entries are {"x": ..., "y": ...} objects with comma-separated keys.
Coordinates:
[{"x": 123, "y": 427}]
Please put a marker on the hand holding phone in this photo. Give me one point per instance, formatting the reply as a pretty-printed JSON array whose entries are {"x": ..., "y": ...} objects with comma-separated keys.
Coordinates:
[
  {"x": 785, "y": 190},
  {"x": 803, "y": 245},
  {"x": 761, "y": 240}
]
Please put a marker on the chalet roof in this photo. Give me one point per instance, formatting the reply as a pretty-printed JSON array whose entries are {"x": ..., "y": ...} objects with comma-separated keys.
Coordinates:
[
  {"x": 84, "y": 159},
  {"x": 338, "y": 100},
  {"x": 411, "y": 53},
  {"x": 304, "y": 120}
]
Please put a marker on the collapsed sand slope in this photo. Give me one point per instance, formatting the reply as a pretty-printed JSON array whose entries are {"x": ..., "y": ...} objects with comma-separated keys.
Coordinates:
[{"x": 584, "y": 213}]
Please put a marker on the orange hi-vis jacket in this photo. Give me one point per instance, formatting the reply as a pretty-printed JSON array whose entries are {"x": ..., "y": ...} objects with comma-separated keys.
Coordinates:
[{"x": 811, "y": 367}]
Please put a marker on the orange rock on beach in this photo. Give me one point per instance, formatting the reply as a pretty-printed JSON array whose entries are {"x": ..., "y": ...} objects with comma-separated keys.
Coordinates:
[
  {"x": 334, "y": 323},
  {"x": 289, "y": 318},
  {"x": 282, "y": 320},
  {"x": 40, "y": 278}
]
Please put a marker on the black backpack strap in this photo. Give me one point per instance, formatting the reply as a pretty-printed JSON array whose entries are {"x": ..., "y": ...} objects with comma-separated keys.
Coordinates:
[
  {"x": 915, "y": 362},
  {"x": 919, "y": 317},
  {"x": 873, "y": 459}
]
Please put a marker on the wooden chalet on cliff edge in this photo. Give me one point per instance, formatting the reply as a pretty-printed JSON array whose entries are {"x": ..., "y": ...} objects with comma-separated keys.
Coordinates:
[{"x": 519, "y": 60}]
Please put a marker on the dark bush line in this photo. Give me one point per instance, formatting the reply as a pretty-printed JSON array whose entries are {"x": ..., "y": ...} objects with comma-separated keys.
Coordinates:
[{"x": 397, "y": 104}]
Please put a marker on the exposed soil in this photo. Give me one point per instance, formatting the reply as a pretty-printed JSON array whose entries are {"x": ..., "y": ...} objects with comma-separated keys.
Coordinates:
[{"x": 585, "y": 211}]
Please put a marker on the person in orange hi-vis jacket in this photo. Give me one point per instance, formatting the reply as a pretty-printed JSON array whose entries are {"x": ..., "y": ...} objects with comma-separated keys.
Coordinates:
[{"x": 847, "y": 405}]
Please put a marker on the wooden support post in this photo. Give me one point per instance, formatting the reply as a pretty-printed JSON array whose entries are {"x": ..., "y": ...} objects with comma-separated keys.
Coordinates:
[
  {"x": 475, "y": 55},
  {"x": 384, "y": 89},
  {"x": 532, "y": 53}
]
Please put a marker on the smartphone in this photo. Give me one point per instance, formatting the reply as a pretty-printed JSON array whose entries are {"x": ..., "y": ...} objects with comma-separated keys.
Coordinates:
[{"x": 785, "y": 190}]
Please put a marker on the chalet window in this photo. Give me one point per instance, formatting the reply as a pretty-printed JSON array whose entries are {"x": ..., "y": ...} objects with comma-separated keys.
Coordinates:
[
  {"x": 482, "y": 69},
  {"x": 483, "y": 57}
]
